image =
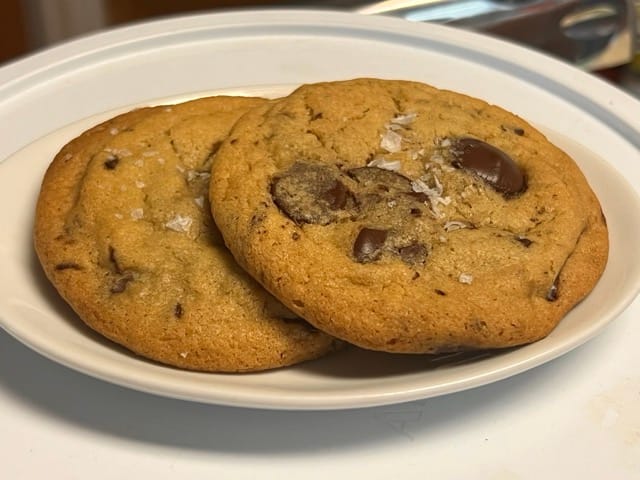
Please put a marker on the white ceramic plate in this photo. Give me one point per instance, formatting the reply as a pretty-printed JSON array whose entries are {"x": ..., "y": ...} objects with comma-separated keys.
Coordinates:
[{"x": 48, "y": 98}]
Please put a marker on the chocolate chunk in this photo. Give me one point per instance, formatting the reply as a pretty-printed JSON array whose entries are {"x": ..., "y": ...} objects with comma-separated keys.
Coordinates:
[
  {"x": 414, "y": 253},
  {"x": 309, "y": 193},
  {"x": 178, "y": 310},
  {"x": 440, "y": 292},
  {"x": 524, "y": 240},
  {"x": 111, "y": 163},
  {"x": 494, "y": 166},
  {"x": 368, "y": 244}
]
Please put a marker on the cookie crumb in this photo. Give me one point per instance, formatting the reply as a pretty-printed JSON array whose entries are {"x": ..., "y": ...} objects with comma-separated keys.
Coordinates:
[{"x": 137, "y": 213}]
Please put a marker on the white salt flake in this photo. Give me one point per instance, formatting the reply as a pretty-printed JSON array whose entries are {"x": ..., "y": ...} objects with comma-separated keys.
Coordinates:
[
  {"x": 118, "y": 216},
  {"x": 137, "y": 213},
  {"x": 465, "y": 278},
  {"x": 179, "y": 223},
  {"x": 391, "y": 141},
  {"x": 139, "y": 162},
  {"x": 420, "y": 186},
  {"x": 199, "y": 201},
  {"x": 68, "y": 156},
  {"x": 150, "y": 153},
  {"x": 140, "y": 184},
  {"x": 168, "y": 109},
  {"x": 455, "y": 225},
  {"x": 160, "y": 160},
  {"x": 180, "y": 168},
  {"x": 384, "y": 164},
  {"x": 114, "y": 131},
  {"x": 404, "y": 118},
  {"x": 184, "y": 354},
  {"x": 391, "y": 203}
]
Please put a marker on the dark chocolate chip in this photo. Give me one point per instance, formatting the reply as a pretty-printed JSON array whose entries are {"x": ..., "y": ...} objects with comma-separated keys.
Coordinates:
[
  {"x": 68, "y": 266},
  {"x": 440, "y": 292},
  {"x": 552, "y": 293},
  {"x": 491, "y": 164},
  {"x": 310, "y": 193},
  {"x": 416, "y": 212},
  {"x": 111, "y": 163},
  {"x": 413, "y": 253},
  {"x": 178, "y": 310},
  {"x": 368, "y": 244},
  {"x": 524, "y": 240}
]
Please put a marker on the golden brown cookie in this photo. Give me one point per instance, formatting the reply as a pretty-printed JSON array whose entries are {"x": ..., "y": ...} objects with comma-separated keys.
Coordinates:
[
  {"x": 124, "y": 231},
  {"x": 404, "y": 218}
]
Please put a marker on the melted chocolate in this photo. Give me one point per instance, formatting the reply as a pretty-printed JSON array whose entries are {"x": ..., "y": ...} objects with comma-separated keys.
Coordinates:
[
  {"x": 368, "y": 244},
  {"x": 491, "y": 164}
]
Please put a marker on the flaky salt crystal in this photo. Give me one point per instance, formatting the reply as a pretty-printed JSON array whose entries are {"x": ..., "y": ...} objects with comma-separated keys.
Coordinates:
[
  {"x": 179, "y": 223},
  {"x": 404, "y": 118},
  {"x": 391, "y": 141},
  {"x": 384, "y": 164}
]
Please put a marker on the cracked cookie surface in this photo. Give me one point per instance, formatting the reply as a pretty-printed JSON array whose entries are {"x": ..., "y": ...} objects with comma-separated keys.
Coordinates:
[
  {"x": 404, "y": 218},
  {"x": 124, "y": 231}
]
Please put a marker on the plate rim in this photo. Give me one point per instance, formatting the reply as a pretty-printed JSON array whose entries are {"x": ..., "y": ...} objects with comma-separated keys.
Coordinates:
[{"x": 320, "y": 402}]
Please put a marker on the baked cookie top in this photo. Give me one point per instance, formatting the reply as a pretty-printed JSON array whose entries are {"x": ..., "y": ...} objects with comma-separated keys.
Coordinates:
[
  {"x": 405, "y": 218},
  {"x": 124, "y": 231}
]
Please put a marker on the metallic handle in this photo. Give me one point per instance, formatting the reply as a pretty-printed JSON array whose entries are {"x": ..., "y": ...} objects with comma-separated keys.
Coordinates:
[{"x": 594, "y": 34}]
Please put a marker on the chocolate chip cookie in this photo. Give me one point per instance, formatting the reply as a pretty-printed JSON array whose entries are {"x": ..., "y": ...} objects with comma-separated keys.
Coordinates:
[
  {"x": 405, "y": 218},
  {"x": 124, "y": 231}
]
